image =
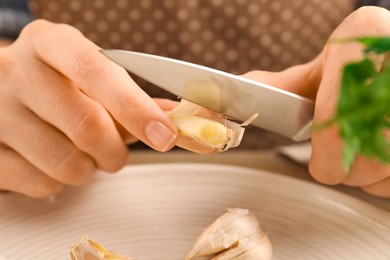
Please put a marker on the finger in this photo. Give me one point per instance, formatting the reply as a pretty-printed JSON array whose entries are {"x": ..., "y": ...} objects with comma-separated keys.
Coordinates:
[
  {"x": 18, "y": 175},
  {"x": 380, "y": 189},
  {"x": 44, "y": 146},
  {"x": 104, "y": 81},
  {"x": 301, "y": 79},
  {"x": 326, "y": 161},
  {"x": 84, "y": 121},
  {"x": 366, "y": 172},
  {"x": 126, "y": 136},
  {"x": 325, "y": 165},
  {"x": 164, "y": 104}
]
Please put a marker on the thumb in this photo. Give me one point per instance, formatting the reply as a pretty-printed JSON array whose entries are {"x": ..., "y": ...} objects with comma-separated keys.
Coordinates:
[{"x": 301, "y": 79}]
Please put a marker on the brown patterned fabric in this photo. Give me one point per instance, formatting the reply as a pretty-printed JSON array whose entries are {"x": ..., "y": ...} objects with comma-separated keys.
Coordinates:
[{"x": 230, "y": 35}]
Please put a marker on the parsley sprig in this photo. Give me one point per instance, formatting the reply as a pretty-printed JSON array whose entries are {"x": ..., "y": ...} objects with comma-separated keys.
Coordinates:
[{"x": 363, "y": 111}]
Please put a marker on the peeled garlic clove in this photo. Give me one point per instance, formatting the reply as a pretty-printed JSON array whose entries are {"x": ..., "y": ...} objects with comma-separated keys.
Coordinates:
[
  {"x": 202, "y": 135},
  {"x": 204, "y": 131},
  {"x": 228, "y": 231},
  {"x": 256, "y": 247},
  {"x": 88, "y": 249}
]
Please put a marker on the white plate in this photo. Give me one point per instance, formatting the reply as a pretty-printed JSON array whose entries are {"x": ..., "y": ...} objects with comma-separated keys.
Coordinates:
[{"x": 155, "y": 212}]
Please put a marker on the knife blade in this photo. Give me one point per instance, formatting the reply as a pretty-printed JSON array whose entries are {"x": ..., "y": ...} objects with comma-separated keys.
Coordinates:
[{"x": 239, "y": 98}]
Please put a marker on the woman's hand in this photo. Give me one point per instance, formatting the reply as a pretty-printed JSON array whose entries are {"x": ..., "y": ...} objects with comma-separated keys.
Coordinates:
[
  {"x": 320, "y": 80},
  {"x": 66, "y": 110}
]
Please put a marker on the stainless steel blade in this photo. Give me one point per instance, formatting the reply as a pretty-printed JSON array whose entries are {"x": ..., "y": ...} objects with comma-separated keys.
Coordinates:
[{"x": 279, "y": 111}]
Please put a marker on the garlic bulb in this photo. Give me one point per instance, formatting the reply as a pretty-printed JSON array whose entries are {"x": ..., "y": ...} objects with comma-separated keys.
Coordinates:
[
  {"x": 204, "y": 131},
  {"x": 88, "y": 249},
  {"x": 235, "y": 235}
]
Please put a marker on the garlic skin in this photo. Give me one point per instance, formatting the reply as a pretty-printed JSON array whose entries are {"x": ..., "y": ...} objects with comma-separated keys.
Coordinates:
[
  {"x": 202, "y": 135},
  {"x": 235, "y": 235},
  {"x": 204, "y": 131},
  {"x": 256, "y": 247},
  {"x": 88, "y": 249}
]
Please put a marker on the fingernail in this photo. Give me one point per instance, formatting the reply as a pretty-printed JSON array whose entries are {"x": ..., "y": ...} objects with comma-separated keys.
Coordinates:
[{"x": 159, "y": 135}]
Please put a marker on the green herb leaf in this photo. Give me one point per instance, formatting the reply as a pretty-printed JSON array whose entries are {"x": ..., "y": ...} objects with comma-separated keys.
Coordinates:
[
  {"x": 377, "y": 45},
  {"x": 363, "y": 112}
]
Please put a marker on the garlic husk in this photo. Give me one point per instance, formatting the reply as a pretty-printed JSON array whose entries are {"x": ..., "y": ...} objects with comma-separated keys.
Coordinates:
[
  {"x": 87, "y": 249},
  {"x": 256, "y": 247},
  {"x": 204, "y": 131},
  {"x": 202, "y": 135},
  {"x": 186, "y": 108},
  {"x": 235, "y": 234}
]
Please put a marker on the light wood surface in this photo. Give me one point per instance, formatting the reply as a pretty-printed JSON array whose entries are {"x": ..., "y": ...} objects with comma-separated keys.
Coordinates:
[{"x": 269, "y": 161}]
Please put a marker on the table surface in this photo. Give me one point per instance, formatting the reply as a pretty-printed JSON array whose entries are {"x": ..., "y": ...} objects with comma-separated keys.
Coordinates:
[{"x": 270, "y": 161}]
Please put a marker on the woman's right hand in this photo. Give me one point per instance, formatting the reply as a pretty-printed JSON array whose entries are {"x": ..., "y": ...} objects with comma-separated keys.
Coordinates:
[{"x": 66, "y": 110}]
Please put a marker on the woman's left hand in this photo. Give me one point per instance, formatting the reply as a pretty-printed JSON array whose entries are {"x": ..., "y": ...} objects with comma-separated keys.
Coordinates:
[{"x": 319, "y": 79}]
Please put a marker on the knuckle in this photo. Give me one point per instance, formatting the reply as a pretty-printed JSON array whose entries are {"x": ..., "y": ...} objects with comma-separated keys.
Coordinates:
[
  {"x": 259, "y": 75},
  {"x": 379, "y": 189},
  {"x": 375, "y": 19},
  {"x": 41, "y": 27},
  {"x": 366, "y": 171},
  {"x": 324, "y": 175},
  {"x": 45, "y": 188},
  {"x": 36, "y": 27},
  {"x": 250, "y": 74},
  {"x": 88, "y": 125},
  {"x": 7, "y": 67},
  {"x": 88, "y": 65},
  {"x": 76, "y": 168},
  {"x": 369, "y": 12},
  {"x": 117, "y": 163}
]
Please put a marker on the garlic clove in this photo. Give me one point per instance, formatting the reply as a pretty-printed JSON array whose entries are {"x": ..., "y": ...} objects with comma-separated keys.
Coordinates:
[
  {"x": 201, "y": 135},
  {"x": 204, "y": 131},
  {"x": 186, "y": 108},
  {"x": 228, "y": 231},
  {"x": 257, "y": 247},
  {"x": 87, "y": 249}
]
